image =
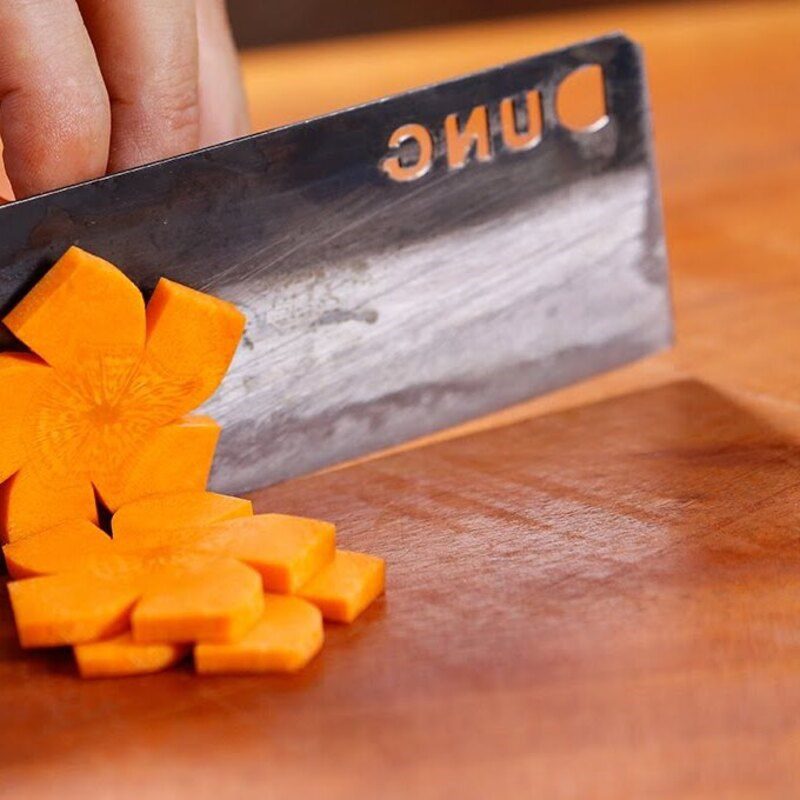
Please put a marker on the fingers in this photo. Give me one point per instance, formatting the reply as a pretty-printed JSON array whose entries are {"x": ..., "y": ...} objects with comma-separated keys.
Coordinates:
[
  {"x": 54, "y": 114},
  {"x": 147, "y": 51},
  {"x": 223, "y": 110},
  {"x": 170, "y": 70}
]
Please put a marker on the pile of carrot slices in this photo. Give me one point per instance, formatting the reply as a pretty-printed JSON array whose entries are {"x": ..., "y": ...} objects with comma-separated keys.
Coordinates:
[{"x": 97, "y": 423}]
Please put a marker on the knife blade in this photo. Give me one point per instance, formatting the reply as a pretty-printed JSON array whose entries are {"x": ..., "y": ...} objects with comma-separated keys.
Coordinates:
[{"x": 404, "y": 265}]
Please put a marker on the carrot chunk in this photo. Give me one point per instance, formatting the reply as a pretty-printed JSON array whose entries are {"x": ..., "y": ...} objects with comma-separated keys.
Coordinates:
[
  {"x": 121, "y": 656},
  {"x": 161, "y": 513},
  {"x": 286, "y": 638},
  {"x": 346, "y": 586},
  {"x": 82, "y": 306},
  {"x": 29, "y": 504},
  {"x": 191, "y": 339},
  {"x": 175, "y": 458},
  {"x": 64, "y": 548}
]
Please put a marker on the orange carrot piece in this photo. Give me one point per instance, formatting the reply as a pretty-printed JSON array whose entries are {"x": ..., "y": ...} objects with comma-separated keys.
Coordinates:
[
  {"x": 286, "y": 638},
  {"x": 287, "y": 551},
  {"x": 346, "y": 586},
  {"x": 70, "y": 608},
  {"x": 191, "y": 339},
  {"x": 21, "y": 378},
  {"x": 121, "y": 656},
  {"x": 161, "y": 513},
  {"x": 28, "y": 504},
  {"x": 200, "y": 584},
  {"x": 175, "y": 458},
  {"x": 163, "y": 595},
  {"x": 209, "y": 600},
  {"x": 81, "y": 307},
  {"x": 104, "y": 408},
  {"x": 104, "y": 411},
  {"x": 67, "y": 547}
]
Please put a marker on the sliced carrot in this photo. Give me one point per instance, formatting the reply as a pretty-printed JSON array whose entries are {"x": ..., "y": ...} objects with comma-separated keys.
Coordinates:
[
  {"x": 99, "y": 408},
  {"x": 70, "y": 608},
  {"x": 82, "y": 306},
  {"x": 188, "y": 584},
  {"x": 21, "y": 377},
  {"x": 198, "y": 599},
  {"x": 191, "y": 339},
  {"x": 164, "y": 595},
  {"x": 29, "y": 504},
  {"x": 285, "y": 550},
  {"x": 121, "y": 656},
  {"x": 286, "y": 638},
  {"x": 67, "y": 547},
  {"x": 167, "y": 512},
  {"x": 174, "y": 458},
  {"x": 346, "y": 586}
]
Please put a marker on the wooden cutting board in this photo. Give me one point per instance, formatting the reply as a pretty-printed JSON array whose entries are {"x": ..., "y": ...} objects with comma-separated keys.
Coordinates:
[{"x": 599, "y": 600}]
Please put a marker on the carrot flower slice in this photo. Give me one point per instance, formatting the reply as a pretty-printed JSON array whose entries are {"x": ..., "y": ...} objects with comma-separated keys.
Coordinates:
[
  {"x": 196, "y": 584},
  {"x": 134, "y": 603},
  {"x": 102, "y": 402},
  {"x": 161, "y": 594}
]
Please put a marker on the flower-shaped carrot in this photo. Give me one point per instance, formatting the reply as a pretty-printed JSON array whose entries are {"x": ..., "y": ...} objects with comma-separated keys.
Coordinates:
[
  {"x": 191, "y": 567},
  {"x": 99, "y": 405},
  {"x": 181, "y": 587}
]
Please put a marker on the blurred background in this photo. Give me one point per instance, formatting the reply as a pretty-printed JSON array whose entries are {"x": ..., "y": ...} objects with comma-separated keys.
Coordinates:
[{"x": 256, "y": 22}]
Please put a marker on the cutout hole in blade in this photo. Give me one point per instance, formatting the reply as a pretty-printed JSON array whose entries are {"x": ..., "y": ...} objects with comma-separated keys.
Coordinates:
[{"x": 581, "y": 99}]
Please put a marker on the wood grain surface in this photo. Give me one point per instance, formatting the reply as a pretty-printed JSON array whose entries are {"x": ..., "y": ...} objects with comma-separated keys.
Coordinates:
[{"x": 593, "y": 595}]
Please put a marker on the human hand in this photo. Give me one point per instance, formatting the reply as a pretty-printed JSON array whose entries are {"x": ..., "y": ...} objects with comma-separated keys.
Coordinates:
[{"x": 95, "y": 86}]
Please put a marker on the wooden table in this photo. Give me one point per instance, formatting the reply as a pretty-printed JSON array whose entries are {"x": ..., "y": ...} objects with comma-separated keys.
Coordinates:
[{"x": 600, "y": 600}]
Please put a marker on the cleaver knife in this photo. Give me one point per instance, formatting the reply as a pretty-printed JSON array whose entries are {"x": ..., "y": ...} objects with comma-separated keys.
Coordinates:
[{"x": 404, "y": 265}]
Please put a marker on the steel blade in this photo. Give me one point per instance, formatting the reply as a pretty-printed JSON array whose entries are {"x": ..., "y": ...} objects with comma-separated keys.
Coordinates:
[{"x": 379, "y": 310}]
